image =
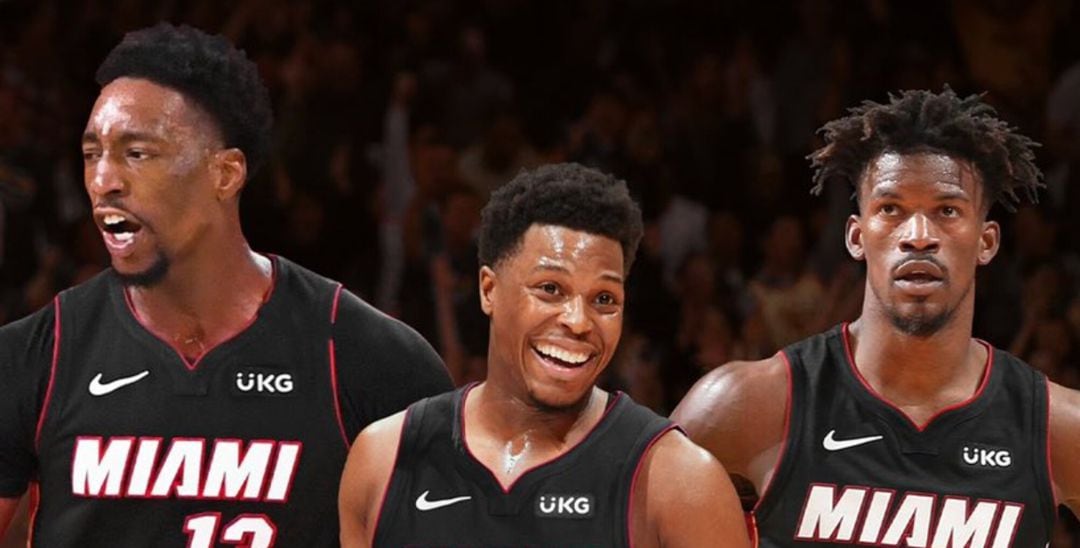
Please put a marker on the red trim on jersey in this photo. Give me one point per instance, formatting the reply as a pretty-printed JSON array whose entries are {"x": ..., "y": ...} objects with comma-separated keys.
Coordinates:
[
  {"x": 784, "y": 440},
  {"x": 52, "y": 373},
  {"x": 751, "y": 529},
  {"x": 333, "y": 308},
  {"x": 633, "y": 483},
  {"x": 978, "y": 392},
  {"x": 189, "y": 364},
  {"x": 334, "y": 394},
  {"x": 333, "y": 370},
  {"x": 507, "y": 488},
  {"x": 35, "y": 503},
  {"x": 247, "y": 538},
  {"x": 1049, "y": 461},
  {"x": 390, "y": 480},
  {"x": 292, "y": 472},
  {"x": 191, "y": 531}
]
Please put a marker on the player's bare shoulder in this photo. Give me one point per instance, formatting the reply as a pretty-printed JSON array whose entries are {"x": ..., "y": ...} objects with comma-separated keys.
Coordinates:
[
  {"x": 679, "y": 482},
  {"x": 366, "y": 478},
  {"x": 737, "y": 411},
  {"x": 1065, "y": 444}
]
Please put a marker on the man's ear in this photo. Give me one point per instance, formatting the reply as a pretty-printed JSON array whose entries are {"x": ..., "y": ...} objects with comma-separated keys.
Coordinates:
[
  {"x": 231, "y": 167},
  {"x": 487, "y": 288},
  {"x": 853, "y": 238},
  {"x": 989, "y": 242}
]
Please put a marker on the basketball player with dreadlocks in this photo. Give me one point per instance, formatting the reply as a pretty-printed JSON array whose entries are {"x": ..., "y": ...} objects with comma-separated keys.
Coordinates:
[{"x": 899, "y": 428}]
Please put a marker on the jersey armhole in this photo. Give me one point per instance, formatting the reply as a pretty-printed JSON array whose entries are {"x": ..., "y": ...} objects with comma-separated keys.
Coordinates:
[
  {"x": 629, "y": 515},
  {"x": 332, "y": 352},
  {"x": 788, "y": 446},
  {"x": 1045, "y": 474},
  {"x": 390, "y": 496},
  {"x": 44, "y": 411}
]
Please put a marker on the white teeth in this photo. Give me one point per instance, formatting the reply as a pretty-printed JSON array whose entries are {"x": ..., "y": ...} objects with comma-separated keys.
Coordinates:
[
  {"x": 124, "y": 236},
  {"x": 551, "y": 351},
  {"x": 113, "y": 219}
]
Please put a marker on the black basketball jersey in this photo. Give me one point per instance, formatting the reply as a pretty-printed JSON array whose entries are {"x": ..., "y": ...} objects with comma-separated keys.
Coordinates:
[
  {"x": 856, "y": 470},
  {"x": 440, "y": 495},
  {"x": 138, "y": 447}
]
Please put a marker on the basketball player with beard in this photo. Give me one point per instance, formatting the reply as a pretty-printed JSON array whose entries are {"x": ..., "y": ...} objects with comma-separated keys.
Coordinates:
[
  {"x": 197, "y": 392},
  {"x": 899, "y": 428}
]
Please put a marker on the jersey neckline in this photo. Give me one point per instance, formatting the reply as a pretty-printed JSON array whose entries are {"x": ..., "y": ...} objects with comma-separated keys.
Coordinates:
[
  {"x": 948, "y": 415},
  {"x": 489, "y": 482},
  {"x": 126, "y": 311}
]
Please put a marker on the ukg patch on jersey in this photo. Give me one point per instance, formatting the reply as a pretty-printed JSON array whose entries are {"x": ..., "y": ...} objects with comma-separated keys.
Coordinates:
[
  {"x": 987, "y": 457},
  {"x": 261, "y": 381},
  {"x": 565, "y": 506}
]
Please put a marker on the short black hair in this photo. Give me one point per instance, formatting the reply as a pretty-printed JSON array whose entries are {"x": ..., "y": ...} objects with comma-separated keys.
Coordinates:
[
  {"x": 923, "y": 121},
  {"x": 568, "y": 195},
  {"x": 206, "y": 69}
]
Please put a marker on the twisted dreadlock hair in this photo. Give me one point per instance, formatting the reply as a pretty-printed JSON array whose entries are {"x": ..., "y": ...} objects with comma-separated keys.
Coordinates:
[{"x": 922, "y": 121}]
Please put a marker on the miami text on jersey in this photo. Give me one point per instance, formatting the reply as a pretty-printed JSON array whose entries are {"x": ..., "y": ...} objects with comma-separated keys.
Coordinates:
[
  {"x": 883, "y": 517},
  {"x": 129, "y": 467}
]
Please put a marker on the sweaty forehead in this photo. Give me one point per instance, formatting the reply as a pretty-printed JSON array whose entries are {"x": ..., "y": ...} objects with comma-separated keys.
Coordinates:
[
  {"x": 932, "y": 169},
  {"x": 557, "y": 247},
  {"x": 137, "y": 106}
]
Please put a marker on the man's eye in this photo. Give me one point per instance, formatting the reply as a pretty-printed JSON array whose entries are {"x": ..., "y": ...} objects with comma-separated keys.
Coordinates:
[
  {"x": 549, "y": 288},
  {"x": 137, "y": 154},
  {"x": 888, "y": 209},
  {"x": 605, "y": 299},
  {"x": 90, "y": 155},
  {"x": 950, "y": 211}
]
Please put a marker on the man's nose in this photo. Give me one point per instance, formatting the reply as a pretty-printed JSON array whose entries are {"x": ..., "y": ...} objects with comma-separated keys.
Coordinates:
[
  {"x": 919, "y": 234},
  {"x": 574, "y": 316},
  {"x": 103, "y": 178}
]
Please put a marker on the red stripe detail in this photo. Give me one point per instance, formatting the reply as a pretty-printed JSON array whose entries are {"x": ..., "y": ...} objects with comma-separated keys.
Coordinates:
[
  {"x": 333, "y": 368},
  {"x": 751, "y": 529},
  {"x": 334, "y": 389},
  {"x": 783, "y": 441},
  {"x": 982, "y": 384},
  {"x": 191, "y": 365},
  {"x": 633, "y": 483},
  {"x": 507, "y": 488},
  {"x": 333, "y": 308},
  {"x": 1049, "y": 461},
  {"x": 35, "y": 502},
  {"x": 52, "y": 372},
  {"x": 390, "y": 480}
]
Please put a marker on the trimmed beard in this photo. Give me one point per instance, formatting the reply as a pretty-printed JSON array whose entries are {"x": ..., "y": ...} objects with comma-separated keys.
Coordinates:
[
  {"x": 149, "y": 277},
  {"x": 920, "y": 325}
]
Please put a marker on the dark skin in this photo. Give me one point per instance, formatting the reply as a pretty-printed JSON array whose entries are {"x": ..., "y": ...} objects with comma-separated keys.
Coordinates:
[
  {"x": 155, "y": 159},
  {"x": 560, "y": 292},
  {"x": 922, "y": 230},
  {"x": 153, "y": 156}
]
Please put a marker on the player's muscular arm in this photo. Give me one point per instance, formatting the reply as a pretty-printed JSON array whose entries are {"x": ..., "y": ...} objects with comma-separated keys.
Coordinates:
[
  {"x": 737, "y": 412},
  {"x": 365, "y": 480},
  {"x": 683, "y": 498},
  {"x": 1065, "y": 445}
]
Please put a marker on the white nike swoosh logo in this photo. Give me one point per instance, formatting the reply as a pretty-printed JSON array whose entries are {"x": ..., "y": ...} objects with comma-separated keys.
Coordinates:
[
  {"x": 98, "y": 388},
  {"x": 831, "y": 444},
  {"x": 423, "y": 504}
]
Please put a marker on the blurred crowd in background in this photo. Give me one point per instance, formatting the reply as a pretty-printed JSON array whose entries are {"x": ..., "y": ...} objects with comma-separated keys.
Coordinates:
[{"x": 395, "y": 119}]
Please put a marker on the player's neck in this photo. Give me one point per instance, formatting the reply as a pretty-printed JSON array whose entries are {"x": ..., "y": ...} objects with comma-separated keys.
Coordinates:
[
  {"x": 510, "y": 436},
  {"x": 201, "y": 302},
  {"x": 924, "y": 372}
]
